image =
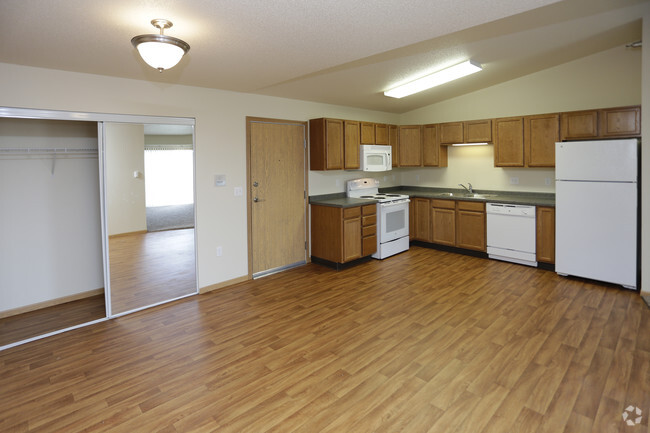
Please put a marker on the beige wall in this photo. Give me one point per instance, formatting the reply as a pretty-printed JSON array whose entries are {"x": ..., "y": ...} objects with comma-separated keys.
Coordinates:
[
  {"x": 48, "y": 203},
  {"x": 125, "y": 197},
  {"x": 220, "y": 140},
  {"x": 607, "y": 79}
]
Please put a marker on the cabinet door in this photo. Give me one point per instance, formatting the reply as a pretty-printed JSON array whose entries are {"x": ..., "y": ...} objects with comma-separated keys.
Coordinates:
[
  {"x": 620, "y": 122},
  {"x": 393, "y": 141},
  {"x": 478, "y": 131},
  {"x": 381, "y": 134},
  {"x": 367, "y": 133},
  {"x": 451, "y": 133},
  {"x": 421, "y": 219},
  {"x": 509, "y": 142},
  {"x": 410, "y": 146},
  {"x": 351, "y": 239},
  {"x": 471, "y": 233},
  {"x": 430, "y": 146},
  {"x": 540, "y": 135},
  {"x": 579, "y": 125},
  {"x": 443, "y": 226},
  {"x": 545, "y": 241},
  {"x": 352, "y": 141}
]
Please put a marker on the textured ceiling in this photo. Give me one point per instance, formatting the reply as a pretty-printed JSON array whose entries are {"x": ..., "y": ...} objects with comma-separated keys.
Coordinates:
[{"x": 335, "y": 51}]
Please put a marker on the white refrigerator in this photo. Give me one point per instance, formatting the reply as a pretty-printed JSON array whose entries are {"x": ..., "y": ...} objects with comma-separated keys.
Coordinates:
[{"x": 596, "y": 210}]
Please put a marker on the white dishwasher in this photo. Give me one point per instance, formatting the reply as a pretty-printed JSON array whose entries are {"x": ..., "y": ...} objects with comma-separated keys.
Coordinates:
[{"x": 511, "y": 233}]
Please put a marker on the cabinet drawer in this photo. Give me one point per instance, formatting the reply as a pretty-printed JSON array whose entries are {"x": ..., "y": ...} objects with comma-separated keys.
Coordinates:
[
  {"x": 444, "y": 204},
  {"x": 369, "y": 209},
  {"x": 471, "y": 205},
  {"x": 368, "y": 245},
  {"x": 368, "y": 231},
  {"x": 351, "y": 212},
  {"x": 369, "y": 220}
]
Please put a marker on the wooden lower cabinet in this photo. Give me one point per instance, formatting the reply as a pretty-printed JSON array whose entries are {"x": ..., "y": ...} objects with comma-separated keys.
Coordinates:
[
  {"x": 458, "y": 223},
  {"x": 443, "y": 222},
  {"x": 368, "y": 230},
  {"x": 545, "y": 239},
  {"x": 421, "y": 219},
  {"x": 341, "y": 235},
  {"x": 470, "y": 225}
]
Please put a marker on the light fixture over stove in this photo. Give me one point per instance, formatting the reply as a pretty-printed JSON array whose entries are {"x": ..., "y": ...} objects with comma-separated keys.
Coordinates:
[
  {"x": 437, "y": 78},
  {"x": 160, "y": 51}
]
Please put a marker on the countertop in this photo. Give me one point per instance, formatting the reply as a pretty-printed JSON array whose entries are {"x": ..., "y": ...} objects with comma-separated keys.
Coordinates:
[{"x": 487, "y": 196}]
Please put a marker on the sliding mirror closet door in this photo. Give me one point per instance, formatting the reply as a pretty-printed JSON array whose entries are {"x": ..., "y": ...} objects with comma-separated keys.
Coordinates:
[
  {"x": 51, "y": 263},
  {"x": 149, "y": 184}
]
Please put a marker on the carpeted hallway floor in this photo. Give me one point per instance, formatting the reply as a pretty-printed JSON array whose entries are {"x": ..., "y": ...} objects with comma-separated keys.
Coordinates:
[{"x": 170, "y": 217}]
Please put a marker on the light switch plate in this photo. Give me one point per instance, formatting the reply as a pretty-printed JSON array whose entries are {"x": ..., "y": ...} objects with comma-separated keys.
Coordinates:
[{"x": 239, "y": 191}]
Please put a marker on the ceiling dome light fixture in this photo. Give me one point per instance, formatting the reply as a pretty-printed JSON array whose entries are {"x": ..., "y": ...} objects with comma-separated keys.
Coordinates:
[
  {"x": 437, "y": 78},
  {"x": 160, "y": 51}
]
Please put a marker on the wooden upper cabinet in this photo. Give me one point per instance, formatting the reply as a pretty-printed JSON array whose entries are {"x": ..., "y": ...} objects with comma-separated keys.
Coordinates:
[
  {"x": 451, "y": 132},
  {"x": 478, "y": 131},
  {"x": 367, "y": 133},
  {"x": 620, "y": 122},
  {"x": 541, "y": 132},
  {"x": 579, "y": 125},
  {"x": 509, "y": 142},
  {"x": 410, "y": 146},
  {"x": 351, "y": 147},
  {"x": 381, "y": 133},
  {"x": 433, "y": 155},
  {"x": 393, "y": 141},
  {"x": 603, "y": 123},
  {"x": 326, "y": 144}
]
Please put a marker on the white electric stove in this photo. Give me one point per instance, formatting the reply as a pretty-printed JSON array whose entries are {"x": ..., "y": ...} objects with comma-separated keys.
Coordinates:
[{"x": 392, "y": 216}]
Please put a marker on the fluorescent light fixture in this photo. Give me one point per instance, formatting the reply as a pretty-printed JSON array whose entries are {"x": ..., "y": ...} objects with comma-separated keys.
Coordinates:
[
  {"x": 470, "y": 144},
  {"x": 437, "y": 78}
]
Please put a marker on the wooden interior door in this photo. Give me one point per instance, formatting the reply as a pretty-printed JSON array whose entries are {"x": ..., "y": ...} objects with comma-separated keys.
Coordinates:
[{"x": 277, "y": 195}]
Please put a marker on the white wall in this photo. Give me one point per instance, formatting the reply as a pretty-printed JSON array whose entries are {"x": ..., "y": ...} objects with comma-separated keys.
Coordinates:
[
  {"x": 220, "y": 140},
  {"x": 607, "y": 79},
  {"x": 50, "y": 233},
  {"x": 125, "y": 194}
]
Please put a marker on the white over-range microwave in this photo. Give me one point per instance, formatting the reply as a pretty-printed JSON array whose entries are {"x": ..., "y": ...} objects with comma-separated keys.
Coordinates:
[{"x": 376, "y": 157}]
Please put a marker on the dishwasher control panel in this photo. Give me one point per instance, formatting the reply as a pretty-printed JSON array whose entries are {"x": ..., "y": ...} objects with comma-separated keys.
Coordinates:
[{"x": 510, "y": 209}]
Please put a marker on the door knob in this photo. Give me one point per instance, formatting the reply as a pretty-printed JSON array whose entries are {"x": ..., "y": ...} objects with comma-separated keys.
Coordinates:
[
  {"x": 256, "y": 199},
  {"x": 255, "y": 184}
]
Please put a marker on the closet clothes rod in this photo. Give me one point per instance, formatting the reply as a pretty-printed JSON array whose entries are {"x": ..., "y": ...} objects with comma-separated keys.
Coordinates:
[{"x": 47, "y": 151}]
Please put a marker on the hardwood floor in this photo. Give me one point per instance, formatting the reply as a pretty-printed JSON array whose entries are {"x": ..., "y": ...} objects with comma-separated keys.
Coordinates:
[
  {"x": 147, "y": 268},
  {"x": 49, "y": 319},
  {"x": 425, "y": 341}
]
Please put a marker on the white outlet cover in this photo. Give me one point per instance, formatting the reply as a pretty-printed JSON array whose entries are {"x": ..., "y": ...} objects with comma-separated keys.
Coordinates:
[{"x": 239, "y": 191}]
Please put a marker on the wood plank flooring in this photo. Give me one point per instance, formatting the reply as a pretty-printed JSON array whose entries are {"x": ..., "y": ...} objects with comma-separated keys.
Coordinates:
[
  {"x": 147, "y": 268},
  {"x": 425, "y": 341},
  {"x": 49, "y": 319}
]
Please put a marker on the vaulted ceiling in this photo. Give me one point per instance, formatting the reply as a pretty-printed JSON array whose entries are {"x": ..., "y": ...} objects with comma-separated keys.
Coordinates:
[{"x": 333, "y": 51}]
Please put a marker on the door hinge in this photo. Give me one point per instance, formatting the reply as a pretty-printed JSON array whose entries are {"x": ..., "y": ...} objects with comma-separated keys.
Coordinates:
[
  {"x": 305, "y": 245},
  {"x": 304, "y": 144},
  {"x": 304, "y": 195}
]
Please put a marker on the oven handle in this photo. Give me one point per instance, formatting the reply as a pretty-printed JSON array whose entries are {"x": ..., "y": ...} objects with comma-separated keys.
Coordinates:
[{"x": 394, "y": 203}]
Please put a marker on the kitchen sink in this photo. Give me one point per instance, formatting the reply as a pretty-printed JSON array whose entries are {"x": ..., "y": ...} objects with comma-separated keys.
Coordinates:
[{"x": 464, "y": 195}]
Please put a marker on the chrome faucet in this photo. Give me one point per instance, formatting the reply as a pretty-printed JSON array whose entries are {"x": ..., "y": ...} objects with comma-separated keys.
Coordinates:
[{"x": 469, "y": 190}]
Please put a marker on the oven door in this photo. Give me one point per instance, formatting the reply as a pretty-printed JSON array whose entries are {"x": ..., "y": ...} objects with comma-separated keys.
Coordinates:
[{"x": 392, "y": 220}]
